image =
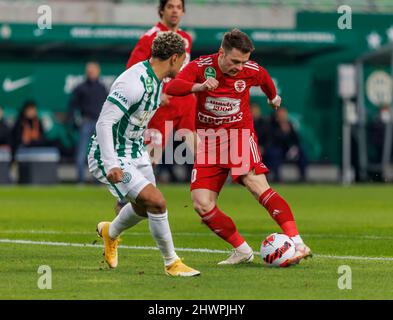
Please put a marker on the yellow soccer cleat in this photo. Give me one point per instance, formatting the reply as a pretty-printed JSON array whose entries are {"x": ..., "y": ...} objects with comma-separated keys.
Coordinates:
[
  {"x": 110, "y": 250},
  {"x": 179, "y": 269}
]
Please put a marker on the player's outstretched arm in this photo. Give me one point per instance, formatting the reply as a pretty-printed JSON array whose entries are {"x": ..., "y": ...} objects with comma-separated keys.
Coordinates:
[
  {"x": 180, "y": 87},
  {"x": 268, "y": 87}
]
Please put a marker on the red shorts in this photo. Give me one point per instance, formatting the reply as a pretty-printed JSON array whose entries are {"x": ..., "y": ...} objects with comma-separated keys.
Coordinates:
[
  {"x": 180, "y": 111},
  {"x": 213, "y": 176}
]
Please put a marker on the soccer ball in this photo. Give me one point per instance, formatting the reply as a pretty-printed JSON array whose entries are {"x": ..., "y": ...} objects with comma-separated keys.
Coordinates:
[{"x": 276, "y": 249}]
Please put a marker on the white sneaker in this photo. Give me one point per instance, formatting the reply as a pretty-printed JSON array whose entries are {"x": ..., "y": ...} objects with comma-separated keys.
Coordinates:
[
  {"x": 238, "y": 257},
  {"x": 301, "y": 252}
]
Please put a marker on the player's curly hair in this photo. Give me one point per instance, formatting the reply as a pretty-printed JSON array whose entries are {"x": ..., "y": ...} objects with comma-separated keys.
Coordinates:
[
  {"x": 166, "y": 44},
  {"x": 236, "y": 39},
  {"x": 162, "y": 4}
]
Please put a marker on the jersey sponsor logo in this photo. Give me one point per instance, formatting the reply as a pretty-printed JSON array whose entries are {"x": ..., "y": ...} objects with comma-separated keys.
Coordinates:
[
  {"x": 240, "y": 85},
  {"x": 120, "y": 97},
  {"x": 203, "y": 118},
  {"x": 141, "y": 118},
  {"x": 276, "y": 212},
  {"x": 127, "y": 177},
  {"x": 210, "y": 72},
  {"x": 149, "y": 84},
  {"x": 222, "y": 106}
]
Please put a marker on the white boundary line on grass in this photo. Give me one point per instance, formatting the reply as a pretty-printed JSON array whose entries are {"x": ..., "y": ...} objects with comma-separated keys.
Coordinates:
[
  {"x": 197, "y": 234},
  {"x": 70, "y": 244}
]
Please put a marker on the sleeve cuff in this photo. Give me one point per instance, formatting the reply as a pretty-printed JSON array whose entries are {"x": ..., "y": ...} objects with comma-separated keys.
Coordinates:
[{"x": 274, "y": 99}]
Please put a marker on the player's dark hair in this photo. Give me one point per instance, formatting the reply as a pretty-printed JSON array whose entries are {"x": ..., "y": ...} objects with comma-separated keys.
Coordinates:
[
  {"x": 166, "y": 44},
  {"x": 235, "y": 39},
  {"x": 162, "y": 4}
]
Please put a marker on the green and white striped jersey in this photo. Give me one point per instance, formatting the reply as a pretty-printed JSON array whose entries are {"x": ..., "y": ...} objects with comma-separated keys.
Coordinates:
[{"x": 132, "y": 101}]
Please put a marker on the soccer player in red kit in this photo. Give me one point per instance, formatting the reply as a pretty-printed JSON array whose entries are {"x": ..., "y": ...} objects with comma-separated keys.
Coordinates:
[
  {"x": 222, "y": 82},
  {"x": 179, "y": 110}
]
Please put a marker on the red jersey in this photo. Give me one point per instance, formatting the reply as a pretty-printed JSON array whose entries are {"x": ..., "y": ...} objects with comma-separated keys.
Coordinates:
[
  {"x": 142, "y": 50},
  {"x": 228, "y": 106}
]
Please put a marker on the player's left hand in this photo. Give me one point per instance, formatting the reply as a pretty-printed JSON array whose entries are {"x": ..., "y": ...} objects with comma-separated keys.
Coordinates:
[{"x": 275, "y": 103}]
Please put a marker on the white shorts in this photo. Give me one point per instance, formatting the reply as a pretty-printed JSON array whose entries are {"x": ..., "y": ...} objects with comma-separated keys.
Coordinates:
[{"x": 138, "y": 173}]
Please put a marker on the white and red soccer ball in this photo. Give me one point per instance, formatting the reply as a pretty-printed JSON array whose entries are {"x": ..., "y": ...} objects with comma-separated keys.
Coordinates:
[{"x": 276, "y": 249}]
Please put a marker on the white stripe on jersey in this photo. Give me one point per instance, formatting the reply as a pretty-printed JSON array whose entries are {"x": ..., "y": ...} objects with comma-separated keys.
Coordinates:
[
  {"x": 204, "y": 64},
  {"x": 204, "y": 59},
  {"x": 251, "y": 67},
  {"x": 152, "y": 31},
  {"x": 252, "y": 63}
]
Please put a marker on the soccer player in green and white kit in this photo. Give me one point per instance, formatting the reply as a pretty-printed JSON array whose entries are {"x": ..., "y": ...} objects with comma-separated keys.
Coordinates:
[{"x": 117, "y": 156}]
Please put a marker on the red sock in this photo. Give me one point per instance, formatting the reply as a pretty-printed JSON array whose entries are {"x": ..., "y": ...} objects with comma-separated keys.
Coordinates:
[
  {"x": 223, "y": 226},
  {"x": 279, "y": 211}
]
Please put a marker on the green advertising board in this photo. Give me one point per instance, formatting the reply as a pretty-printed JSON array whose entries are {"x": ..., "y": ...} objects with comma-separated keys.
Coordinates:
[{"x": 45, "y": 65}]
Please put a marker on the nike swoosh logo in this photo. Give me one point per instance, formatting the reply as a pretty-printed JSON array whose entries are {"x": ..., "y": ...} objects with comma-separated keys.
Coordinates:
[
  {"x": 12, "y": 85},
  {"x": 276, "y": 212}
]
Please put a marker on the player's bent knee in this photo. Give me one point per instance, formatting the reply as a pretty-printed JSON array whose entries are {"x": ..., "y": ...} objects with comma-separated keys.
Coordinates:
[
  {"x": 157, "y": 206},
  {"x": 202, "y": 206},
  {"x": 256, "y": 184},
  {"x": 152, "y": 200}
]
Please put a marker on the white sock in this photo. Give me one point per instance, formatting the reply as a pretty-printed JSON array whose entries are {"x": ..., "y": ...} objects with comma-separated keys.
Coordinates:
[
  {"x": 126, "y": 219},
  {"x": 244, "y": 248},
  {"x": 297, "y": 240},
  {"x": 161, "y": 232}
]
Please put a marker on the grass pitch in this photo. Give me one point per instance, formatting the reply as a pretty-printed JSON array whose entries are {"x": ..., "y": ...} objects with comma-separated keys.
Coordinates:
[{"x": 343, "y": 226}]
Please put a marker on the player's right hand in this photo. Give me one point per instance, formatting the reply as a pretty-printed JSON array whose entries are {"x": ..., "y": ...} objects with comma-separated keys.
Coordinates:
[
  {"x": 209, "y": 84},
  {"x": 115, "y": 175},
  {"x": 275, "y": 103},
  {"x": 165, "y": 99}
]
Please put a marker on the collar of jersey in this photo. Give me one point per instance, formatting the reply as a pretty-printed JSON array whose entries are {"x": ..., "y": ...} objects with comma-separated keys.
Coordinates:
[
  {"x": 161, "y": 26},
  {"x": 150, "y": 71}
]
